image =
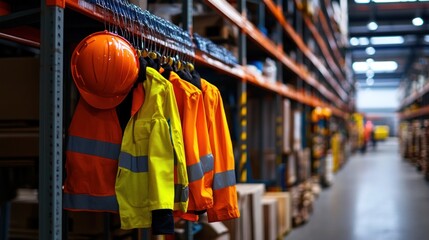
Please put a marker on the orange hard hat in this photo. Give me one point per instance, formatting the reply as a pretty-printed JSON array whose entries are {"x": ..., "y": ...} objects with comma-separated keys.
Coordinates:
[{"x": 104, "y": 68}]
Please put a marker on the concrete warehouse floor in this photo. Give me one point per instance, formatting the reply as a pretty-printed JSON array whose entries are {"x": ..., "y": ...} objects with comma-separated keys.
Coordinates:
[{"x": 376, "y": 196}]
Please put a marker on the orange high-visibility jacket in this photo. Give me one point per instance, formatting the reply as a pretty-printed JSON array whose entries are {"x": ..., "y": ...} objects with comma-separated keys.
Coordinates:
[
  {"x": 225, "y": 204},
  {"x": 92, "y": 159},
  {"x": 199, "y": 158},
  {"x": 152, "y": 167}
]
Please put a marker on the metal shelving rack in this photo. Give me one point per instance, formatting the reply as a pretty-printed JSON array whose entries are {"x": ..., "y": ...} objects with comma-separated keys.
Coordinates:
[
  {"x": 418, "y": 96},
  {"x": 51, "y": 123},
  {"x": 51, "y": 85}
]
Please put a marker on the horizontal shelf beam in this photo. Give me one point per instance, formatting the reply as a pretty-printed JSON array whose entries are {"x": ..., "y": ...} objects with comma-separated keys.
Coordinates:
[
  {"x": 284, "y": 90},
  {"x": 206, "y": 60},
  {"x": 20, "y": 40},
  {"x": 330, "y": 36},
  {"x": 414, "y": 113},
  {"x": 413, "y": 97},
  {"x": 278, "y": 14},
  {"x": 324, "y": 48},
  {"x": 235, "y": 17},
  {"x": 20, "y": 18}
]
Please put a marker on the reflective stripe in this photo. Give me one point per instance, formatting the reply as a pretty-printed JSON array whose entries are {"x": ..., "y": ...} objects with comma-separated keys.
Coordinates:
[
  {"x": 223, "y": 180},
  {"x": 93, "y": 147},
  {"x": 195, "y": 172},
  {"x": 207, "y": 162},
  {"x": 181, "y": 193},
  {"x": 134, "y": 164},
  {"x": 88, "y": 202}
]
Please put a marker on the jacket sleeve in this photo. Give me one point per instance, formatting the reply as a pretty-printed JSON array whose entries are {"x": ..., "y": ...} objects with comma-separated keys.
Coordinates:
[
  {"x": 204, "y": 149},
  {"x": 200, "y": 166},
  {"x": 181, "y": 188},
  {"x": 224, "y": 190}
]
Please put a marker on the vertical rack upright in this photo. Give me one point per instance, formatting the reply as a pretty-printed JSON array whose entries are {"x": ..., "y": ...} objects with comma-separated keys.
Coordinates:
[{"x": 51, "y": 120}]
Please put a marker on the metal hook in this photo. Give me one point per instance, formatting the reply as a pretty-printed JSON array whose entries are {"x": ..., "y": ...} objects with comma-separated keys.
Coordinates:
[
  {"x": 115, "y": 16},
  {"x": 147, "y": 33},
  {"x": 142, "y": 31},
  {"x": 137, "y": 25},
  {"x": 102, "y": 5},
  {"x": 123, "y": 21},
  {"x": 129, "y": 17}
]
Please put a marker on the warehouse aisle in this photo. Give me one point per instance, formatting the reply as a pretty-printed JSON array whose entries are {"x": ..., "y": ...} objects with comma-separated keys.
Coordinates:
[{"x": 376, "y": 196}]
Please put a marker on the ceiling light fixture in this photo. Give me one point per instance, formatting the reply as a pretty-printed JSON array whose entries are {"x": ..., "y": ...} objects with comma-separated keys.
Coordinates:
[
  {"x": 375, "y": 66},
  {"x": 386, "y": 1},
  {"x": 372, "y": 26},
  {"x": 370, "y": 74},
  {"x": 369, "y": 81},
  {"x": 387, "y": 40},
  {"x": 360, "y": 67},
  {"x": 417, "y": 21},
  {"x": 354, "y": 41},
  {"x": 362, "y": 1},
  {"x": 363, "y": 41},
  {"x": 370, "y": 50}
]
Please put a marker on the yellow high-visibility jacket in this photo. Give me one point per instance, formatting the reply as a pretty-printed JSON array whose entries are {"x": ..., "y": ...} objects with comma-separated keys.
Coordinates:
[{"x": 151, "y": 152}]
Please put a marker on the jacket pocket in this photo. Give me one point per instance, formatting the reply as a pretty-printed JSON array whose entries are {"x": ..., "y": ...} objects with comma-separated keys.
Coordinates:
[{"x": 132, "y": 188}]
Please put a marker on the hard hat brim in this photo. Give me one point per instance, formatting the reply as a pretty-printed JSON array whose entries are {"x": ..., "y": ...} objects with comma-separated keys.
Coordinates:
[{"x": 101, "y": 102}]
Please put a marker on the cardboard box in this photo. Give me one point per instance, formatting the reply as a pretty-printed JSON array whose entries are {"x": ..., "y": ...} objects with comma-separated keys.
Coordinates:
[
  {"x": 214, "y": 27},
  {"x": 284, "y": 213},
  {"x": 213, "y": 231},
  {"x": 248, "y": 226},
  {"x": 270, "y": 218},
  {"x": 237, "y": 227}
]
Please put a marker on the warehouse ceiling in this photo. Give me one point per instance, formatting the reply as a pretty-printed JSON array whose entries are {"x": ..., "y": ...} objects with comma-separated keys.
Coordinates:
[{"x": 388, "y": 41}]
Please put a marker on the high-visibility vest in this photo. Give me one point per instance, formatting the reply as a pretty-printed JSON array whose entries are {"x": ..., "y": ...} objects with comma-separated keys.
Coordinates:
[
  {"x": 225, "y": 204},
  {"x": 152, "y": 167},
  {"x": 92, "y": 153},
  {"x": 199, "y": 158}
]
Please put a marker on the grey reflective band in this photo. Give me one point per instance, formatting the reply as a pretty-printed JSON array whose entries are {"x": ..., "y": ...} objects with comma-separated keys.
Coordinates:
[
  {"x": 134, "y": 164},
  {"x": 93, "y": 147},
  {"x": 223, "y": 180},
  {"x": 195, "y": 172},
  {"x": 181, "y": 193},
  {"x": 88, "y": 202},
  {"x": 207, "y": 163}
]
